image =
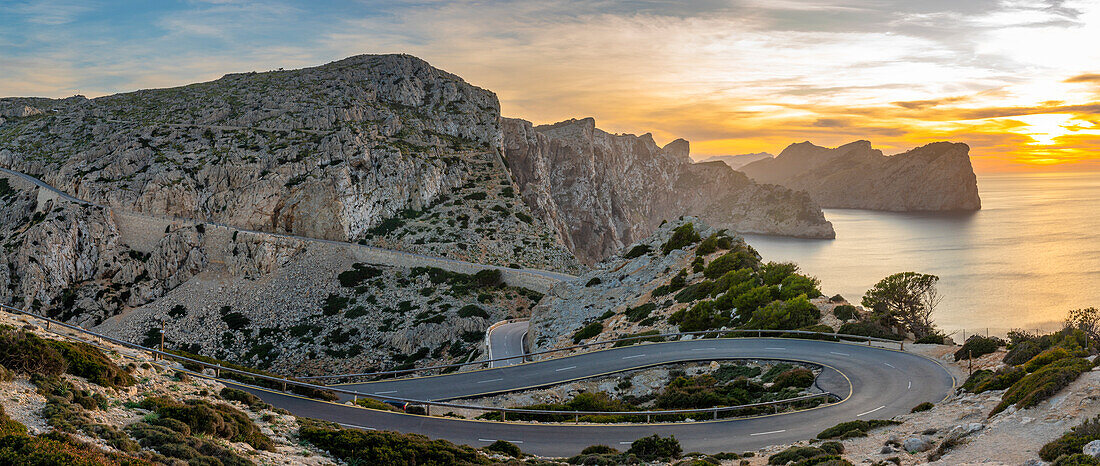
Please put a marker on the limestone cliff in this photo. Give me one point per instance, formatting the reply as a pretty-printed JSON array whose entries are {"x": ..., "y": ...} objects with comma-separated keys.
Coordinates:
[
  {"x": 935, "y": 177},
  {"x": 602, "y": 191},
  {"x": 347, "y": 151}
]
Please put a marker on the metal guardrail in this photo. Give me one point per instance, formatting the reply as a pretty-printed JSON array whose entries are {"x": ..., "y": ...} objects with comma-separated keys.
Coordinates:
[
  {"x": 427, "y": 404},
  {"x": 704, "y": 333}
]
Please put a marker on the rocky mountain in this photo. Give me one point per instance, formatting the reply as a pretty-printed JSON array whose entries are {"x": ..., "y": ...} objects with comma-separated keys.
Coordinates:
[
  {"x": 737, "y": 161},
  {"x": 934, "y": 177},
  {"x": 350, "y": 151},
  {"x": 603, "y": 191}
]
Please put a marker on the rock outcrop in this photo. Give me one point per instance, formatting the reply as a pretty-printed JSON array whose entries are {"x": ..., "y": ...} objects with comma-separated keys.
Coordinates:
[
  {"x": 603, "y": 191},
  {"x": 343, "y": 151},
  {"x": 934, "y": 177}
]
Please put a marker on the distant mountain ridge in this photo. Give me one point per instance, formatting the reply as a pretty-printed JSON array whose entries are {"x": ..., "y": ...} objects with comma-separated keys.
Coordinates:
[
  {"x": 737, "y": 161},
  {"x": 933, "y": 177}
]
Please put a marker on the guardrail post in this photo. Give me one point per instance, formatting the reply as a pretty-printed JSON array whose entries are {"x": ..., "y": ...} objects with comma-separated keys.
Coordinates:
[
  {"x": 576, "y": 418},
  {"x": 716, "y": 414},
  {"x": 647, "y": 418},
  {"x": 284, "y": 386},
  {"x": 47, "y": 325},
  {"x": 503, "y": 415},
  {"x": 903, "y": 345}
]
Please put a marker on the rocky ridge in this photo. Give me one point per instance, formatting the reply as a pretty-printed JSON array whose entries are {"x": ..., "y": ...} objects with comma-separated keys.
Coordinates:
[
  {"x": 934, "y": 177},
  {"x": 328, "y": 152},
  {"x": 603, "y": 191},
  {"x": 737, "y": 161}
]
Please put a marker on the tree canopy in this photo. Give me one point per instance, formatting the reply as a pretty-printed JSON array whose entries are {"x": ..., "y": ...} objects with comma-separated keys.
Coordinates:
[{"x": 906, "y": 299}]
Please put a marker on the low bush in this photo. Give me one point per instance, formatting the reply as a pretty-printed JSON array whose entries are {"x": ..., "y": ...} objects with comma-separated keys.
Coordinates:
[
  {"x": 1022, "y": 352},
  {"x": 785, "y": 315},
  {"x": 56, "y": 448},
  {"x": 795, "y": 378},
  {"x": 84, "y": 360},
  {"x": 868, "y": 328},
  {"x": 588, "y": 331},
  {"x": 358, "y": 274},
  {"x": 599, "y": 450},
  {"x": 694, "y": 292},
  {"x": 637, "y": 314},
  {"x": 9, "y": 426},
  {"x": 637, "y": 251},
  {"x": 1073, "y": 441},
  {"x": 505, "y": 447},
  {"x": 373, "y": 447},
  {"x": 219, "y": 420},
  {"x": 1076, "y": 459},
  {"x": 683, "y": 236},
  {"x": 977, "y": 346},
  {"x": 845, "y": 312},
  {"x": 1042, "y": 384},
  {"x": 593, "y": 282},
  {"x": 654, "y": 447},
  {"x": 713, "y": 243},
  {"x": 932, "y": 339},
  {"x": 730, "y": 261},
  {"x": 183, "y": 446},
  {"x": 252, "y": 401},
  {"x": 805, "y": 456},
  {"x": 927, "y": 405},
  {"x": 701, "y": 316},
  {"x": 471, "y": 310},
  {"x": 852, "y": 429},
  {"x": 1046, "y": 357},
  {"x": 24, "y": 352}
]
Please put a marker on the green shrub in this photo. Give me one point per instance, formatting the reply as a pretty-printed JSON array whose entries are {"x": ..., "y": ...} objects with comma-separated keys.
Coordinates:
[
  {"x": 931, "y": 339},
  {"x": 694, "y": 292},
  {"x": 593, "y": 282},
  {"x": 319, "y": 394},
  {"x": 797, "y": 284},
  {"x": 6, "y": 375},
  {"x": 9, "y": 426},
  {"x": 84, "y": 360},
  {"x": 852, "y": 429},
  {"x": 355, "y": 312},
  {"x": 796, "y": 378},
  {"x": 56, "y": 448},
  {"x": 181, "y": 446},
  {"x": 845, "y": 312},
  {"x": 728, "y": 262},
  {"x": 598, "y": 450},
  {"x": 683, "y": 236},
  {"x": 806, "y": 456},
  {"x": 25, "y": 352},
  {"x": 471, "y": 310},
  {"x": 588, "y": 331},
  {"x": 358, "y": 274},
  {"x": 1076, "y": 459},
  {"x": 868, "y": 328},
  {"x": 241, "y": 396},
  {"x": 334, "y": 304},
  {"x": 1046, "y": 357},
  {"x": 389, "y": 448},
  {"x": 177, "y": 311},
  {"x": 637, "y": 314},
  {"x": 1073, "y": 441},
  {"x": 984, "y": 380},
  {"x": 977, "y": 346},
  {"x": 1042, "y": 384},
  {"x": 701, "y": 316},
  {"x": 506, "y": 448},
  {"x": 235, "y": 320},
  {"x": 792, "y": 314},
  {"x": 219, "y": 420},
  {"x": 1022, "y": 352},
  {"x": 654, "y": 448},
  {"x": 637, "y": 251},
  {"x": 927, "y": 405}
]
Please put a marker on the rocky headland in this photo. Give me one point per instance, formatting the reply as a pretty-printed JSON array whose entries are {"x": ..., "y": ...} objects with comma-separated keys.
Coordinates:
[{"x": 934, "y": 177}]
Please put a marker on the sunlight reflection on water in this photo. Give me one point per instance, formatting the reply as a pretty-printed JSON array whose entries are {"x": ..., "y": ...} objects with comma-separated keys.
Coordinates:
[{"x": 1030, "y": 254}]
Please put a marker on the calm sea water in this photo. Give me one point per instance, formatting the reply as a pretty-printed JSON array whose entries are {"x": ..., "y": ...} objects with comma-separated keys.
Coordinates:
[{"x": 1031, "y": 254}]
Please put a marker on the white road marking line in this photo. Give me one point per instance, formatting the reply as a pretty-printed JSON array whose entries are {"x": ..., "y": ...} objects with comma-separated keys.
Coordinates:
[
  {"x": 910, "y": 387},
  {"x": 767, "y": 433},
  {"x": 703, "y": 349},
  {"x": 565, "y": 368},
  {"x": 493, "y": 440},
  {"x": 353, "y": 426},
  {"x": 842, "y": 354},
  {"x": 869, "y": 412},
  {"x": 490, "y": 380},
  {"x": 888, "y": 364},
  {"x": 635, "y": 356},
  {"x": 780, "y": 349},
  {"x": 625, "y": 443},
  {"x": 383, "y": 393}
]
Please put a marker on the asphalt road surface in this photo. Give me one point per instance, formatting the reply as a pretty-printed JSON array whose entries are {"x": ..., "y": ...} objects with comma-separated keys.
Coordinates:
[
  {"x": 507, "y": 340},
  {"x": 873, "y": 383}
]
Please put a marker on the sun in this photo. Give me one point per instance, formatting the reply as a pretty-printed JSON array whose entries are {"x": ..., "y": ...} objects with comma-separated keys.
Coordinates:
[{"x": 1044, "y": 129}]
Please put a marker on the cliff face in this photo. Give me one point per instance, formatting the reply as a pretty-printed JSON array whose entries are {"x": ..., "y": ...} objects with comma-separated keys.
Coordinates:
[
  {"x": 935, "y": 177},
  {"x": 603, "y": 191},
  {"x": 330, "y": 152}
]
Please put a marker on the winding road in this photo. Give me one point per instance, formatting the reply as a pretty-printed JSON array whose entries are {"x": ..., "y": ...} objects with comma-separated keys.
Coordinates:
[
  {"x": 505, "y": 341},
  {"x": 870, "y": 382}
]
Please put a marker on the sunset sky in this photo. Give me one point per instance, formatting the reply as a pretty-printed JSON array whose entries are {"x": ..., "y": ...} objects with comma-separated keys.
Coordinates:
[{"x": 1017, "y": 80}]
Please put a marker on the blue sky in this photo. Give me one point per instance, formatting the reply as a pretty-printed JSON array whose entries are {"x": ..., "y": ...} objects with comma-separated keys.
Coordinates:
[{"x": 729, "y": 75}]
